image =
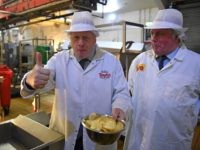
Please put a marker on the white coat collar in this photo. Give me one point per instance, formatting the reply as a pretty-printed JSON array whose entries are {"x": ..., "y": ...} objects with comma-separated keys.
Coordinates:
[
  {"x": 180, "y": 54},
  {"x": 98, "y": 55}
]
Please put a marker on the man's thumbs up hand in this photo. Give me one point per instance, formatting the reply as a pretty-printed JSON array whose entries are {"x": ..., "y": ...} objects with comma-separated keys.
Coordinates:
[
  {"x": 38, "y": 76},
  {"x": 38, "y": 58}
]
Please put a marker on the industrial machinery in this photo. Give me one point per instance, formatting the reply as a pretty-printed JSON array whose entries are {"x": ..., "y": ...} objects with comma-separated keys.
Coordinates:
[
  {"x": 126, "y": 46},
  {"x": 20, "y": 58},
  {"x": 27, "y": 50},
  {"x": 15, "y": 13}
]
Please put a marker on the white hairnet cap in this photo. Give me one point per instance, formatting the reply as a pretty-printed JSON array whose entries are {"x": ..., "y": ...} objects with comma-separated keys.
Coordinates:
[
  {"x": 82, "y": 21},
  {"x": 168, "y": 19}
]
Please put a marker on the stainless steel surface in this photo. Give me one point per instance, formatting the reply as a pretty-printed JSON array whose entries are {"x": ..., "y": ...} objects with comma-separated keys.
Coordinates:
[
  {"x": 40, "y": 117},
  {"x": 23, "y": 133},
  {"x": 102, "y": 138},
  {"x": 15, "y": 137}
]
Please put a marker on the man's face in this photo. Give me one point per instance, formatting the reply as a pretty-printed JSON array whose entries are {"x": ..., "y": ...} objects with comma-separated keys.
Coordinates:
[
  {"x": 82, "y": 43},
  {"x": 163, "y": 41}
]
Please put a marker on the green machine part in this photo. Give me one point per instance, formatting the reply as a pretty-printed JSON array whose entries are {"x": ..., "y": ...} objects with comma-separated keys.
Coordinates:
[{"x": 45, "y": 51}]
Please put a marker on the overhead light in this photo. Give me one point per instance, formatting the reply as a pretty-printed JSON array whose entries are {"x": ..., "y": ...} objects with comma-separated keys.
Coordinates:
[
  {"x": 112, "y": 6},
  {"x": 112, "y": 17},
  {"x": 147, "y": 24},
  {"x": 69, "y": 20}
]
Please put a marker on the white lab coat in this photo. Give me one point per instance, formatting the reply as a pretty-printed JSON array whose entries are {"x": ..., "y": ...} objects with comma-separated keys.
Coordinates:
[
  {"x": 165, "y": 110},
  {"x": 99, "y": 88}
]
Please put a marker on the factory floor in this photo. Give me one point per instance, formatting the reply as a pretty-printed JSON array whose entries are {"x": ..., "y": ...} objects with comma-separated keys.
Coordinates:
[{"x": 21, "y": 106}]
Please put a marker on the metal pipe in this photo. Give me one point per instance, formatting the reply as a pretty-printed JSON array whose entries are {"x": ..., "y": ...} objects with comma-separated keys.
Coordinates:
[
  {"x": 34, "y": 22},
  {"x": 7, "y": 12},
  {"x": 36, "y": 106},
  {"x": 7, "y": 3}
]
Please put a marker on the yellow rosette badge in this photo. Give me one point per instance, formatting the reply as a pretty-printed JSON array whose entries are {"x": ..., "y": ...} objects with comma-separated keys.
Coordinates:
[{"x": 140, "y": 67}]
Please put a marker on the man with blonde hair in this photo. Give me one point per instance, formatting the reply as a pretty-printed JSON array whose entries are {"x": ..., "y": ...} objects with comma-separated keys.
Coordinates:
[{"x": 86, "y": 79}]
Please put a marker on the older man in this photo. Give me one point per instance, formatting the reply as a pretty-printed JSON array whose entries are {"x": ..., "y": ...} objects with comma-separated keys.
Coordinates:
[
  {"x": 87, "y": 80},
  {"x": 165, "y": 87}
]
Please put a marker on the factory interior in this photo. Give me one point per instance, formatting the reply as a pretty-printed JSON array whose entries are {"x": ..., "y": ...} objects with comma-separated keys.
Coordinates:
[{"x": 30, "y": 26}]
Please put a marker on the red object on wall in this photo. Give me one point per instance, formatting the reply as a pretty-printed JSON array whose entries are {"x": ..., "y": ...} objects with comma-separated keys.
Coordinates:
[
  {"x": 21, "y": 5},
  {"x": 5, "y": 87}
]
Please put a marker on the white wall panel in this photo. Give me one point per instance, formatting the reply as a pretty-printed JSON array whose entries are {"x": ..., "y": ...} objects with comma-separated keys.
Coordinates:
[{"x": 114, "y": 33}]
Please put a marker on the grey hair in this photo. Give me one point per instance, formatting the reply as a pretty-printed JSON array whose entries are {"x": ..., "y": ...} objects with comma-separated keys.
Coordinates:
[{"x": 181, "y": 35}]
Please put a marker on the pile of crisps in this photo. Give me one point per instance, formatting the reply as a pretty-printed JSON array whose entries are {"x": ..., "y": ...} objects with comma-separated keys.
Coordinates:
[{"x": 103, "y": 123}]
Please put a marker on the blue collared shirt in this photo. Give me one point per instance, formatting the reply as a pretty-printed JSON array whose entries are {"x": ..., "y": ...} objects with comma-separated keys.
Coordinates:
[{"x": 170, "y": 56}]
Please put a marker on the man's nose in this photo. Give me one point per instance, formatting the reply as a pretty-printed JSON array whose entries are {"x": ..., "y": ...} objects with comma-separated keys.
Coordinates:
[{"x": 80, "y": 41}]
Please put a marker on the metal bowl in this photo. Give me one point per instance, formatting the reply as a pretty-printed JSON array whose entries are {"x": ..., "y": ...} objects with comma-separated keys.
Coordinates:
[{"x": 102, "y": 138}]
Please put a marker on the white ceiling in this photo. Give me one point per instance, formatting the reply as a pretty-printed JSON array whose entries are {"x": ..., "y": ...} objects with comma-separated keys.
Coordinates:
[{"x": 123, "y": 6}]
